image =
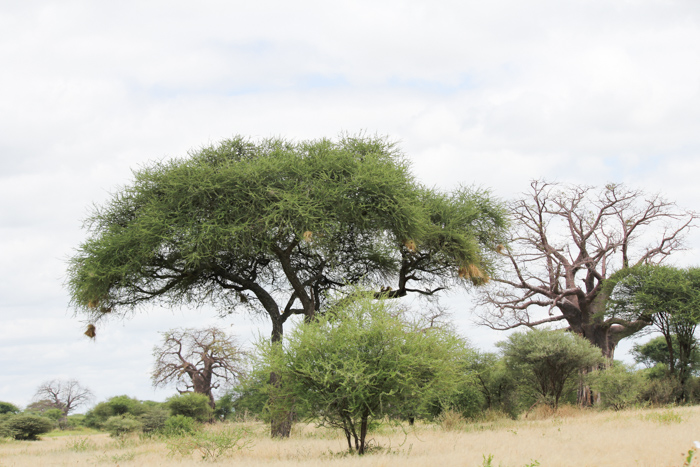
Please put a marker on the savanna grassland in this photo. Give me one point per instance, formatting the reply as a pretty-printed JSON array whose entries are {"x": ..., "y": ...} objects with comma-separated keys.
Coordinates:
[{"x": 572, "y": 437}]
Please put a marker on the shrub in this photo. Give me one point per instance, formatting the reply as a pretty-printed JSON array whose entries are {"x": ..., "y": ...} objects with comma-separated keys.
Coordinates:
[
  {"x": 6, "y": 407},
  {"x": 179, "y": 425},
  {"x": 27, "y": 426},
  {"x": 660, "y": 391},
  {"x": 619, "y": 386},
  {"x": 117, "y": 405},
  {"x": 153, "y": 419},
  {"x": 4, "y": 430},
  {"x": 191, "y": 405},
  {"x": 211, "y": 444},
  {"x": 121, "y": 424},
  {"x": 363, "y": 360}
]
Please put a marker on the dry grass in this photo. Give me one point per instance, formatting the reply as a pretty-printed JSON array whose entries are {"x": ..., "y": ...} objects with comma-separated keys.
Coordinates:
[{"x": 572, "y": 437}]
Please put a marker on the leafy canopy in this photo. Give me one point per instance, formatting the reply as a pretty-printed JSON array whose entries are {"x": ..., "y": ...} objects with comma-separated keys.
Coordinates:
[
  {"x": 546, "y": 360},
  {"x": 364, "y": 360},
  {"x": 276, "y": 225}
]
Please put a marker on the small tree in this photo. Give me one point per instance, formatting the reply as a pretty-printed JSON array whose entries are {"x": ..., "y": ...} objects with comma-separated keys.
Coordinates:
[
  {"x": 546, "y": 360},
  {"x": 198, "y": 359},
  {"x": 363, "y": 360},
  {"x": 667, "y": 297},
  {"x": 655, "y": 351},
  {"x": 64, "y": 395}
]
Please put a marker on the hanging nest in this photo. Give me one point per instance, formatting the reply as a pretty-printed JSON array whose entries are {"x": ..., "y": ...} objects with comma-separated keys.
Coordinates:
[
  {"x": 106, "y": 309},
  {"x": 410, "y": 245},
  {"x": 474, "y": 274},
  {"x": 308, "y": 236},
  {"x": 93, "y": 303},
  {"x": 500, "y": 249},
  {"x": 90, "y": 332}
]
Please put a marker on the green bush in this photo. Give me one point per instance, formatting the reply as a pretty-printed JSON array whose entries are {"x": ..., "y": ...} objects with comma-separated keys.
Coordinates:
[
  {"x": 121, "y": 424},
  {"x": 361, "y": 361},
  {"x": 117, "y": 405},
  {"x": 658, "y": 391},
  {"x": 179, "y": 425},
  {"x": 153, "y": 419},
  {"x": 619, "y": 386},
  {"x": 6, "y": 407},
  {"x": 4, "y": 430},
  {"x": 191, "y": 405},
  {"x": 27, "y": 426}
]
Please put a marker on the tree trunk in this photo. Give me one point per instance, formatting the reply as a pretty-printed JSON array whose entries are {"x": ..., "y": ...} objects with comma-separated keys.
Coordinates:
[
  {"x": 281, "y": 418},
  {"x": 363, "y": 433},
  {"x": 598, "y": 334}
]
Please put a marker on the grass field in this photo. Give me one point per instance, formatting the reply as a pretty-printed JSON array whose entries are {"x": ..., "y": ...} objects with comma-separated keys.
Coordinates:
[{"x": 650, "y": 437}]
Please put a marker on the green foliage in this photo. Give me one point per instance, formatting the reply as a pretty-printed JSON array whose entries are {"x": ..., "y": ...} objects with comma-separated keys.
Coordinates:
[
  {"x": 242, "y": 220},
  {"x": 27, "y": 426},
  {"x": 179, "y": 425},
  {"x": 191, "y": 404},
  {"x": 212, "y": 444},
  {"x": 4, "y": 430},
  {"x": 250, "y": 396},
  {"x": 117, "y": 405},
  {"x": 668, "y": 298},
  {"x": 655, "y": 351},
  {"x": 665, "y": 417},
  {"x": 498, "y": 385},
  {"x": 6, "y": 407},
  {"x": 619, "y": 386},
  {"x": 544, "y": 361},
  {"x": 153, "y": 419},
  {"x": 363, "y": 360},
  {"x": 119, "y": 425},
  {"x": 53, "y": 414},
  {"x": 82, "y": 445}
]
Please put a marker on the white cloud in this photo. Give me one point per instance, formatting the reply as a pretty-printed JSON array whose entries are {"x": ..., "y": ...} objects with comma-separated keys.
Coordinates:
[{"x": 486, "y": 93}]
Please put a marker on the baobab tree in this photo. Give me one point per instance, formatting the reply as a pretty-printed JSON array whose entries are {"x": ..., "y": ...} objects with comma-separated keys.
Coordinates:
[
  {"x": 63, "y": 395},
  {"x": 565, "y": 242},
  {"x": 197, "y": 360}
]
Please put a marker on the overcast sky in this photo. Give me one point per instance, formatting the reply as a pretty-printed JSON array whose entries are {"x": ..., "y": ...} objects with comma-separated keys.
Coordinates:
[{"x": 490, "y": 93}]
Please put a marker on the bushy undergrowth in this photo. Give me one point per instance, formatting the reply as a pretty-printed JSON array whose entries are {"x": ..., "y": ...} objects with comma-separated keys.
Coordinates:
[
  {"x": 26, "y": 426},
  {"x": 119, "y": 425},
  {"x": 212, "y": 443}
]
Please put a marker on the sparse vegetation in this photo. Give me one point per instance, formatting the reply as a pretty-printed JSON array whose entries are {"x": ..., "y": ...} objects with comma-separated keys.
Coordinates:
[{"x": 661, "y": 436}]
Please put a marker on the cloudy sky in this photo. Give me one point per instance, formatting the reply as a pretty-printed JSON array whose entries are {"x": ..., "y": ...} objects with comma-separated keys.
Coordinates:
[{"x": 489, "y": 93}]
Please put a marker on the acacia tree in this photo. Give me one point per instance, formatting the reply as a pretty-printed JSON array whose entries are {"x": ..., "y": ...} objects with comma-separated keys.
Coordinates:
[
  {"x": 546, "y": 360},
  {"x": 564, "y": 243},
  {"x": 275, "y": 226},
  {"x": 668, "y": 298},
  {"x": 63, "y": 395},
  {"x": 365, "y": 360},
  {"x": 197, "y": 359}
]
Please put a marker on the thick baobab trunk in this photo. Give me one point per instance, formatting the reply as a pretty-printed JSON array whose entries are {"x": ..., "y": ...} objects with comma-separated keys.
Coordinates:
[{"x": 598, "y": 334}]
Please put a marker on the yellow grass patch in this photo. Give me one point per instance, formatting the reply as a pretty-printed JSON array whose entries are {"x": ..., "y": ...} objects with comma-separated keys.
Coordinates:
[{"x": 571, "y": 437}]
